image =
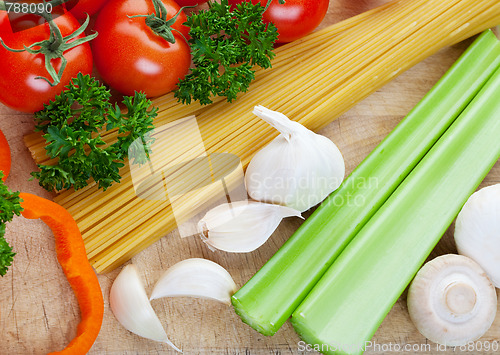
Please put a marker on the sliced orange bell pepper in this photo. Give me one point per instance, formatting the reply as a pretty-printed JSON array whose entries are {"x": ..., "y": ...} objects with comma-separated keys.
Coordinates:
[
  {"x": 5, "y": 160},
  {"x": 73, "y": 259}
]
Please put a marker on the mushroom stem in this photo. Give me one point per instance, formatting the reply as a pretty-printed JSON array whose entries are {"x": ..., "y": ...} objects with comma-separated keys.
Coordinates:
[
  {"x": 451, "y": 301},
  {"x": 460, "y": 298}
]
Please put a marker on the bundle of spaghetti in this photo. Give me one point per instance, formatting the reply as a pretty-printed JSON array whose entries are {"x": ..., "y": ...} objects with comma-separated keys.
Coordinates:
[{"x": 313, "y": 81}]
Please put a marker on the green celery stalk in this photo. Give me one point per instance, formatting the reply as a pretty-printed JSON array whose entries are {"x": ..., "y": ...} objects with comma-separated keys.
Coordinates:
[
  {"x": 269, "y": 298},
  {"x": 350, "y": 301}
]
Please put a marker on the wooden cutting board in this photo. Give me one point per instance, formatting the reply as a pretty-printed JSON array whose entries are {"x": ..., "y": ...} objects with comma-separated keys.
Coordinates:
[{"x": 38, "y": 312}]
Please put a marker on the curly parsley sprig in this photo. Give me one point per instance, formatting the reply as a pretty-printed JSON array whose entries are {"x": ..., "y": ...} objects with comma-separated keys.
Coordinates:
[
  {"x": 10, "y": 206},
  {"x": 72, "y": 122},
  {"x": 225, "y": 46}
]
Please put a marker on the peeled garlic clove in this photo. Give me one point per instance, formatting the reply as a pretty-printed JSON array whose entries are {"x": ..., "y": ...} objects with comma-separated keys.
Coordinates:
[
  {"x": 131, "y": 307},
  {"x": 451, "y": 301},
  {"x": 242, "y": 226},
  {"x": 477, "y": 230},
  {"x": 298, "y": 169},
  {"x": 198, "y": 278}
]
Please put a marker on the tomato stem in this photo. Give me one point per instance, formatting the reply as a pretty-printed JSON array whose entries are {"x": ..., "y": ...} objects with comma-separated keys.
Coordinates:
[
  {"x": 158, "y": 22},
  {"x": 54, "y": 47},
  {"x": 55, "y": 38},
  {"x": 269, "y": 3}
]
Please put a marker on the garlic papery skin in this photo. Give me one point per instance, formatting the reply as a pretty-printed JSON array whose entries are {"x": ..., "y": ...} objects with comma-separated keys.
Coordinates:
[
  {"x": 298, "y": 169},
  {"x": 451, "y": 301},
  {"x": 242, "y": 226},
  {"x": 199, "y": 278},
  {"x": 477, "y": 230},
  {"x": 131, "y": 307}
]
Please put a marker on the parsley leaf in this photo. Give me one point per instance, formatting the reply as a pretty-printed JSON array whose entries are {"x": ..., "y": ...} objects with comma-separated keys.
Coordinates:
[
  {"x": 6, "y": 254},
  {"x": 10, "y": 205},
  {"x": 225, "y": 46},
  {"x": 72, "y": 123}
]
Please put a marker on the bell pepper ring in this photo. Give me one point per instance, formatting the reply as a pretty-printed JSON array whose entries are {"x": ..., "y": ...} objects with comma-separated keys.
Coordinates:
[
  {"x": 5, "y": 160},
  {"x": 73, "y": 260}
]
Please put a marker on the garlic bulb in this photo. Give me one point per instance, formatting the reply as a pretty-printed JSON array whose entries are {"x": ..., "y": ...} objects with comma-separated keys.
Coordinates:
[
  {"x": 242, "y": 226},
  {"x": 451, "y": 301},
  {"x": 131, "y": 307},
  {"x": 198, "y": 278},
  {"x": 477, "y": 230},
  {"x": 298, "y": 169}
]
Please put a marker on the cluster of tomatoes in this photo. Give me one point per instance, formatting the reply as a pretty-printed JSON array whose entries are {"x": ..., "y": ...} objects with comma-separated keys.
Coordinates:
[{"x": 127, "y": 54}]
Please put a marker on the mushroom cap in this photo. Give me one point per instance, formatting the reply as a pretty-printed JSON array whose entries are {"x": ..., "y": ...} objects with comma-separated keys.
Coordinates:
[
  {"x": 477, "y": 230},
  {"x": 452, "y": 301}
]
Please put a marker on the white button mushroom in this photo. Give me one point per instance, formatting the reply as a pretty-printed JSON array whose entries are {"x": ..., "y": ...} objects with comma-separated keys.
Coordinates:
[
  {"x": 477, "y": 230},
  {"x": 451, "y": 301}
]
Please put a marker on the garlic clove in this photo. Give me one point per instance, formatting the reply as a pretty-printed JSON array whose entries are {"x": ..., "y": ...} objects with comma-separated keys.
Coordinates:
[
  {"x": 298, "y": 169},
  {"x": 199, "y": 278},
  {"x": 451, "y": 301},
  {"x": 242, "y": 226},
  {"x": 477, "y": 230},
  {"x": 131, "y": 307}
]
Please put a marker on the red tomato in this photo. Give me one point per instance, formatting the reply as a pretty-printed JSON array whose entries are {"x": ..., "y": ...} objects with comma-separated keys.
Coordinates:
[
  {"x": 80, "y": 8},
  {"x": 18, "y": 87},
  {"x": 295, "y": 18},
  {"x": 190, "y": 2},
  {"x": 131, "y": 57}
]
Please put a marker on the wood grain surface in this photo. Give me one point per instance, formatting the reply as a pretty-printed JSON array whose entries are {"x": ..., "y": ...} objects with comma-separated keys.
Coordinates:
[{"x": 38, "y": 312}]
